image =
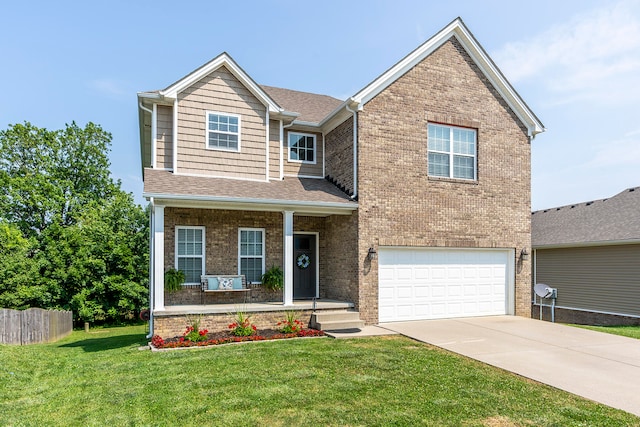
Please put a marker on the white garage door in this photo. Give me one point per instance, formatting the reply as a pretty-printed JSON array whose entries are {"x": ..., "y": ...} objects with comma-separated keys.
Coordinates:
[{"x": 429, "y": 283}]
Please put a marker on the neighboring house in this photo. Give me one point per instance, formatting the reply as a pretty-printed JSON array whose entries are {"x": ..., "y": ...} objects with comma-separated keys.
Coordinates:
[
  {"x": 590, "y": 252},
  {"x": 409, "y": 200}
]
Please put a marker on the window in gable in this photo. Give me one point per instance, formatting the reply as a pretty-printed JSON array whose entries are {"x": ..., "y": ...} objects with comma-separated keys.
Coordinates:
[
  {"x": 251, "y": 254},
  {"x": 190, "y": 252},
  {"x": 223, "y": 131},
  {"x": 451, "y": 152},
  {"x": 302, "y": 147}
]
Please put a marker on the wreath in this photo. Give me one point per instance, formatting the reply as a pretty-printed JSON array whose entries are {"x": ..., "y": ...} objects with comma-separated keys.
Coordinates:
[{"x": 303, "y": 261}]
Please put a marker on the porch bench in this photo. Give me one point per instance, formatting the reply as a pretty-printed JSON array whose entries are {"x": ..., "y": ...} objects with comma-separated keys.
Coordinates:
[{"x": 213, "y": 283}]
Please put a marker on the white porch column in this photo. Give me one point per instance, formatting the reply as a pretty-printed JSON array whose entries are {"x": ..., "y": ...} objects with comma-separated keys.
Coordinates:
[
  {"x": 288, "y": 257},
  {"x": 158, "y": 258}
]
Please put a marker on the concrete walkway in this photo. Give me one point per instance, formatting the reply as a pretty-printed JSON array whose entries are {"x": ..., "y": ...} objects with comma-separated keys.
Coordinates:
[{"x": 599, "y": 366}]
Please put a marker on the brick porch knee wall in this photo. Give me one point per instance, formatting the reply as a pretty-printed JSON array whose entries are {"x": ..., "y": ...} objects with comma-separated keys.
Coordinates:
[{"x": 399, "y": 204}]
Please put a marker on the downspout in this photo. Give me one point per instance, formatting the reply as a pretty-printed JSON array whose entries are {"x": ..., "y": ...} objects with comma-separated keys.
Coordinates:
[
  {"x": 151, "y": 269},
  {"x": 355, "y": 148}
]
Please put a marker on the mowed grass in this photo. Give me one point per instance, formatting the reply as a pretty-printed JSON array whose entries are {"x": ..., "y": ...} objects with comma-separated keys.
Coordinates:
[
  {"x": 626, "y": 331},
  {"x": 102, "y": 379}
]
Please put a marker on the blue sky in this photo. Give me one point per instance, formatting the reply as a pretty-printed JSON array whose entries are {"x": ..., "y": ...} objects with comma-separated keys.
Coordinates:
[{"x": 575, "y": 63}]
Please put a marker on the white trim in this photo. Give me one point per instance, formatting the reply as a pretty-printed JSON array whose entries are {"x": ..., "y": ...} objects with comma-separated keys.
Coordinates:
[
  {"x": 451, "y": 153},
  {"x": 317, "y": 253},
  {"x": 304, "y": 176},
  {"x": 315, "y": 147},
  {"x": 243, "y": 200},
  {"x": 287, "y": 231},
  {"x": 158, "y": 258},
  {"x": 204, "y": 247},
  {"x": 207, "y": 131},
  {"x": 268, "y": 131},
  {"x": 222, "y": 60},
  {"x": 154, "y": 135},
  {"x": 281, "y": 150},
  {"x": 164, "y": 169},
  {"x": 264, "y": 246},
  {"x": 458, "y": 30},
  {"x": 175, "y": 136}
]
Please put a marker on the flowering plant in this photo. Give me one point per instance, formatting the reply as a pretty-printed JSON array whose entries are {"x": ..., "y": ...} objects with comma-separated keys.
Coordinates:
[
  {"x": 291, "y": 325},
  {"x": 242, "y": 326},
  {"x": 193, "y": 332}
]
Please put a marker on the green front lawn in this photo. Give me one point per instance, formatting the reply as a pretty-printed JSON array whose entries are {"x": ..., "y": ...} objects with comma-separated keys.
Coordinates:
[
  {"x": 101, "y": 378},
  {"x": 627, "y": 331}
]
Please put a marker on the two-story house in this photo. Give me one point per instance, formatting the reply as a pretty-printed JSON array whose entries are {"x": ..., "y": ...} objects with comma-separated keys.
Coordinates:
[{"x": 409, "y": 200}]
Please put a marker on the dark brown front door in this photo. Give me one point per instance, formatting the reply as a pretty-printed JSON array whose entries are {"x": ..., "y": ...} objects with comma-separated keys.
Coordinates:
[{"x": 304, "y": 266}]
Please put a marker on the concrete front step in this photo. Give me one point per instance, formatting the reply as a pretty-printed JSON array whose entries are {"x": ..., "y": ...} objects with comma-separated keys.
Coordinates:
[{"x": 336, "y": 320}]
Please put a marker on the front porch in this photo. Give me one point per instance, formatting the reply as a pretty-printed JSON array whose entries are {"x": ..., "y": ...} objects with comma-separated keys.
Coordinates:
[{"x": 173, "y": 320}]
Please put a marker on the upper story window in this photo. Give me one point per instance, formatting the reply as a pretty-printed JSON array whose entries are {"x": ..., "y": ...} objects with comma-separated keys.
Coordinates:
[
  {"x": 452, "y": 152},
  {"x": 302, "y": 147},
  {"x": 223, "y": 131}
]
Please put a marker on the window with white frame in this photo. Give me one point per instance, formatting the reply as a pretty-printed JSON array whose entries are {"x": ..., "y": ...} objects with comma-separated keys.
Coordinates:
[
  {"x": 190, "y": 252},
  {"x": 451, "y": 152},
  {"x": 251, "y": 254},
  {"x": 223, "y": 131},
  {"x": 302, "y": 147}
]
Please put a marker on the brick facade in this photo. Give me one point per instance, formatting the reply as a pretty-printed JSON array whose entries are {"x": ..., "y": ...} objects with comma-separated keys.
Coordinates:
[
  {"x": 339, "y": 155},
  {"x": 336, "y": 242},
  {"x": 578, "y": 317},
  {"x": 399, "y": 204}
]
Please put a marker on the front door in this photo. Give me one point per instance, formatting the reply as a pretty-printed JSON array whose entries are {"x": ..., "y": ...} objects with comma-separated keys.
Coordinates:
[{"x": 304, "y": 266}]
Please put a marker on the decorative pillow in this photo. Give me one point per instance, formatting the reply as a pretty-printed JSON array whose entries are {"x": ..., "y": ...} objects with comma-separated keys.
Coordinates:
[
  {"x": 226, "y": 283},
  {"x": 237, "y": 283},
  {"x": 212, "y": 283}
]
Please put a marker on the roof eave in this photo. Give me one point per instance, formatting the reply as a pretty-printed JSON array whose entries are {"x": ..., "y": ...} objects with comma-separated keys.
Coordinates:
[{"x": 237, "y": 203}]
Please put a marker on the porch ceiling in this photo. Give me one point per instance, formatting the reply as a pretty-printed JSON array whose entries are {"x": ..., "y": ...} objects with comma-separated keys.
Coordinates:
[{"x": 302, "y": 195}]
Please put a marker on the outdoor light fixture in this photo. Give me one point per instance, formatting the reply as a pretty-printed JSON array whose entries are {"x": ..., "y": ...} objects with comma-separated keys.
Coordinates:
[
  {"x": 372, "y": 254},
  {"x": 524, "y": 254}
]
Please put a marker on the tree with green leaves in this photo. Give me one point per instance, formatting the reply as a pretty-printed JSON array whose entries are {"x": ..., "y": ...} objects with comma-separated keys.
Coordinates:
[{"x": 69, "y": 236}]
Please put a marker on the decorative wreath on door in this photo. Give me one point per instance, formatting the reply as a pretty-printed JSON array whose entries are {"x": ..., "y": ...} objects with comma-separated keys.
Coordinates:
[{"x": 303, "y": 261}]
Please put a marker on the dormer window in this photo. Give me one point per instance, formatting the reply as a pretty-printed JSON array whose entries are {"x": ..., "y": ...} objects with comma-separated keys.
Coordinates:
[
  {"x": 223, "y": 131},
  {"x": 302, "y": 147}
]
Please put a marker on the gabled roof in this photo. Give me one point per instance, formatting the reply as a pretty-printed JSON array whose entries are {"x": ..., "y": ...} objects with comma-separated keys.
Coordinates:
[
  {"x": 606, "y": 221},
  {"x": 222, "y": 60},
  {"x": 312, "y": 107},
  {"x": 458, "y": 30}
]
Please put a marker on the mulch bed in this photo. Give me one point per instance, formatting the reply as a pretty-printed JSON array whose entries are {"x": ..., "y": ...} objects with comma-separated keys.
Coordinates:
[{"x": 224, "y": 337}]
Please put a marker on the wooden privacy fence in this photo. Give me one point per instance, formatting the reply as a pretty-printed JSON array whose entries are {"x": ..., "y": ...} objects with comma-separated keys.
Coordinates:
[{"x": 34, "y": 325}]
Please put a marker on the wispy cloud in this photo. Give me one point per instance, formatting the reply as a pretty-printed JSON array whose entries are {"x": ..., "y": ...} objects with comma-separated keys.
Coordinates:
[
  {"x": 595, "y": 56},
  {"x": 624, "y": 151},
  {"x": 110, "y": 88}
]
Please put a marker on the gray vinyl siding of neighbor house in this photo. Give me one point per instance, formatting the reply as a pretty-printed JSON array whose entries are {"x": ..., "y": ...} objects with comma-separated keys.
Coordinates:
[
  {"x": 590, "y": 252},
  {"x": 601, "y": 279}
]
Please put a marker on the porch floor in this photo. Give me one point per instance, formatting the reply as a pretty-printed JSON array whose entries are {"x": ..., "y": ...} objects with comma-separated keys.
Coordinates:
[{"x": 321, "y": 304}]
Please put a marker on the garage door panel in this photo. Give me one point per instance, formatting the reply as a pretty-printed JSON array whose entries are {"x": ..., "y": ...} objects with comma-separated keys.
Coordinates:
[{"x": 427, "y": 283}]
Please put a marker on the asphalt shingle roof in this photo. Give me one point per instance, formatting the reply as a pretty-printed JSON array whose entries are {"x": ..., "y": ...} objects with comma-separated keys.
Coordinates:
[
  {"x": 291, "y": 189},
  {"x": 607, "y": 220},
  {"x": 312, "y": 107}
]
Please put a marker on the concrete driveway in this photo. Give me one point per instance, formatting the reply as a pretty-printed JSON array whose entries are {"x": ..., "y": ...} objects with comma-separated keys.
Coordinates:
[{"x": 595, "y": 365}]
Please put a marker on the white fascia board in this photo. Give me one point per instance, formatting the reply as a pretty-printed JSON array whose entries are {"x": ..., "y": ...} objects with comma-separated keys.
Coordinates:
[
  {"x": 234, "y": 203},
  {"x": 458, "y": 30},
  {"x": 222, "y": 60},
  {"x": 587, "y": 244}
]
